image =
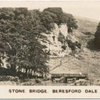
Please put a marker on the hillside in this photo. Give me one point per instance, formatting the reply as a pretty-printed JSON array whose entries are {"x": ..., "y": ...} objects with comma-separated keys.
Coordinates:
[
  {"x": 86, "y": 29},
  {"x": 35, "y": 44},
  {"x": 85, "y": 60},
  {"x": 86, "y": 24}
]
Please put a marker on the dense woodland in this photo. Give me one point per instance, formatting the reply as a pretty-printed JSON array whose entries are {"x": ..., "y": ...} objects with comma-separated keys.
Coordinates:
[{"x": 20, "y": 30}]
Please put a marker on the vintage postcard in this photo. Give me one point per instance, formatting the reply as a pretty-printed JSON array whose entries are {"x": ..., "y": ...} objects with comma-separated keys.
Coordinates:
[{"x": 50, "y": 49}]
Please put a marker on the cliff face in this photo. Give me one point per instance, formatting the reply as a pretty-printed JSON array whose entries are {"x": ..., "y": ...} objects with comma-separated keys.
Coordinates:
[
  {"x": 54, "y": 46},
  {"x": 63, "y": 29}
]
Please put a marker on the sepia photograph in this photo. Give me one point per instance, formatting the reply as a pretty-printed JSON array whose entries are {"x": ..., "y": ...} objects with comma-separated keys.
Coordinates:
[{"x": 50, "y": 43}]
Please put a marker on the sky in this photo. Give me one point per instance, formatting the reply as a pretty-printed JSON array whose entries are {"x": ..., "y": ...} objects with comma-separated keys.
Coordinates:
[{"x": 88, "y": 9}]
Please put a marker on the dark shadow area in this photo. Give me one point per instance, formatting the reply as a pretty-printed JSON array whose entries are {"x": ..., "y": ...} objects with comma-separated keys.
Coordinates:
[
  {"x": 87, "y": 33},
  {"x": 92, "y": 45},
  {"x": 19, "y": 74},
  {"x": 73, "y": 45},
  {"x": 9, "y": 72}
]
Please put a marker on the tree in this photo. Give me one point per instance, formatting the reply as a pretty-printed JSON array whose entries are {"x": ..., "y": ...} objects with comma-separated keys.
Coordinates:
[
  {"x": 59, "y": 17},
  {"x": 19, "y": 40},
  {"x": 46, "y": 19},
  {"x": 97, "y": 36},
  {"x": 71, "y": 22},
  {"x": 58, "y": 14}
]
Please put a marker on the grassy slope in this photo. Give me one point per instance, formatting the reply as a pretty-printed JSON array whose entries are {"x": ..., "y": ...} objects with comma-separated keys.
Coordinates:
[
  {"x": 87, "y": 60},
  {"x": 86, "y": 25}
]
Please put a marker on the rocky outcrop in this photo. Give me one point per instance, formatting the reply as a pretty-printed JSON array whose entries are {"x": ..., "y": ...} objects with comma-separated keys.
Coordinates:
[
  {"x": 63, "y": 29},
  {"x": 56, "y": 47}
]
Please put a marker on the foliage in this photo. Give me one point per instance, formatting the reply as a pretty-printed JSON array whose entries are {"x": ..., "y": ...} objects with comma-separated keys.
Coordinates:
[
  {"x": 97, "y": 36},
  {"x": 19, "y": 40},
  {"x": 47, "y": 20},
  {"x": 71, "y": 22},
  {"x": 59, "y": 17},
  {"x": 58, "y": 12}
]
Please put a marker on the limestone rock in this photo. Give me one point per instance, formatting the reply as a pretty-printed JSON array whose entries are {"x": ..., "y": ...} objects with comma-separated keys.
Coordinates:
[
  {"x": 54, "y": 46},
  {"x": 60, "y": 48}
]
